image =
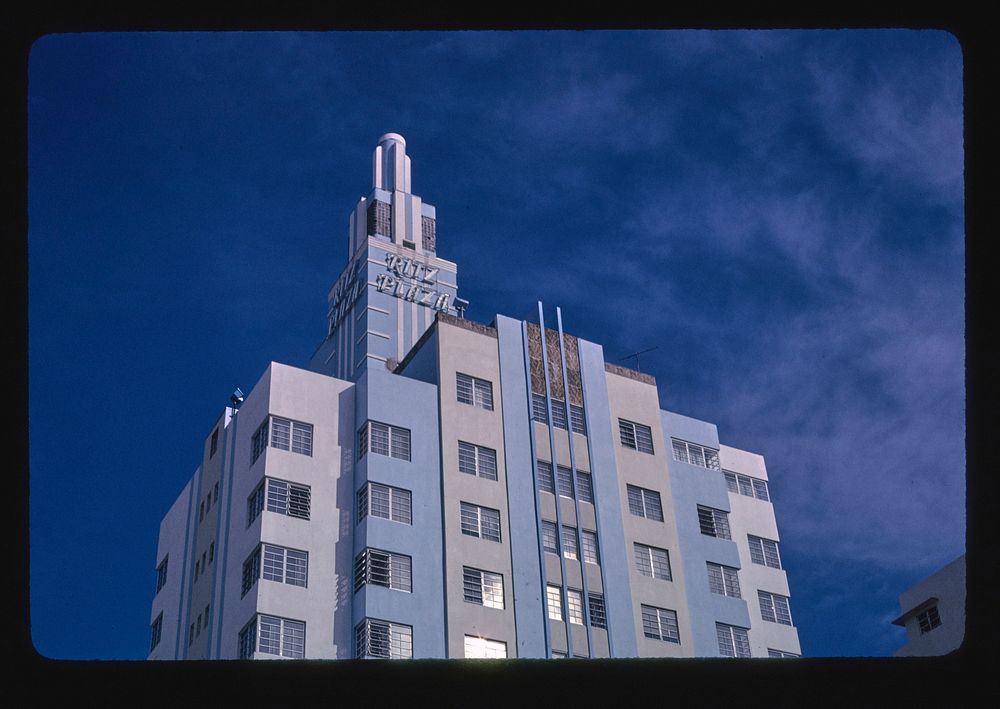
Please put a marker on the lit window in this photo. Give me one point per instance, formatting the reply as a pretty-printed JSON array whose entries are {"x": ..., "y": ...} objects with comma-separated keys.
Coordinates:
[
  {"x": 570, "y": 550},
  {"x": 484, "y": 588},
  {"x": 723, "y": 580},
  {"x": 652, "y": 561},
  {"x": 383, "y": 568},
  {"x": 475, "y": 392},
  {"x": 482, "y": 522},
  {"x": 746, "y": 485},
  {"x": 764, "y": 552},
  {"x": 155, "y": 632},
  {"x": 598, "y": 613},
  {"x": 483, "y": 648},
  {"x": 635, "y": 436},
  {"x": 574, "y": 605},
  {"x": 771, "y": 652},
  {"x": 553, "y": 600},
  {"x": 550, "y": 542},
  {"x": 385, "y": 502},
  {"x": 733, "y": 640},
  {"x": 273, "y": 636},
  {"x": 161, "y": 573},
  {"x": 774, "y": 608},
  {"x": 477, "y": 460},
  {"x": 644, "y": 503},
  {"x": 660, "y": 624},
  {"x": 694, "y": 454},
  {"x": 928, "y": 620},
  {"x": 383, "y": 640},
  {"x": 713, "y": 522},
  {"x": 588, "y": 543},
  {"x": 384, "y": 439}
]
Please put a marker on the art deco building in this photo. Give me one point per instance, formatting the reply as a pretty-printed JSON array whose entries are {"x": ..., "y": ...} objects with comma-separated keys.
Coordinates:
[
  {"x": 934, "y": 612},
  {"x": 433, "y": 487}
]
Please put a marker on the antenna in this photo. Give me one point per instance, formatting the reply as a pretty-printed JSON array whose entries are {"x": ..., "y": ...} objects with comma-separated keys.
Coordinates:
[{"x": 636, "y": 355}]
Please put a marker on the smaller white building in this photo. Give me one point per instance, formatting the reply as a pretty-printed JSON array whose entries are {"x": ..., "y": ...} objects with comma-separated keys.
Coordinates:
[{"x": 934, "y": 612}]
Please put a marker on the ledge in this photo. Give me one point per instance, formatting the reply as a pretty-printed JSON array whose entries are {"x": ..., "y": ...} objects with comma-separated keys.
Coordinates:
[{"x": 630, "y": 373}]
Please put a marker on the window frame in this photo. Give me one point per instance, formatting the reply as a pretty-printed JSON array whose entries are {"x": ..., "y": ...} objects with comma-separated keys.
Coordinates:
[
  {"x": 161, "y": 574},
  {"x": 467, "y": 510},
  {"x": 480, "y": 396},
  {"x": 398, "y": 441},
  {"x": 483, "y": 460},
  {"x": 702, "y": 460},
  {"x": 628, "y": 435},
  {"x": 380, "y": 567},
  {"x": 665, "y": 618},
  {"x": 640, "y": 499},
  {"x": 777, "y": 606},
  {"x": 484, "y": 587},
  {"x": 764, "y": 552},
  {"x": 398, "y": 501},
  {"x": 393, "y": 633},
  {"x": 714, "y": 522},
  {"x": 645, "y": 551},
  {"x": 737, "y": 640},
  {"x": 723, "y": 580},
  {"x": 491, "y": 649},
  {"x": 156, "y": 632}
]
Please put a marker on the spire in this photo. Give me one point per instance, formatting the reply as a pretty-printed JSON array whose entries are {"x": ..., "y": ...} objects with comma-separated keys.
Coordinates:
[{"x": 391, "y": 166}]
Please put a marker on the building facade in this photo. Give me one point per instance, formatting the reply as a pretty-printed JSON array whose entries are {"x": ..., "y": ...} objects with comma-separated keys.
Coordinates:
[
  {"x": 434, "y": 487},
  {"x": 934, "y": 612}
]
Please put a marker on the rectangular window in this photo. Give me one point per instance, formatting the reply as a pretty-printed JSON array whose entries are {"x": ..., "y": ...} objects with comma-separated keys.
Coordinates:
[
  {"x": 713, "y": 522},
  {"x": 636, "y": 436},
  {"x": 652, "y": 561},
  {"x": 385, "y": 502},
  {"x": 570, "y": 547},
  {"x": 197, "y": 568},
  {"x": 255, "y": 503},
  {"x": 598, "y": 614},
  {"x": 384, "y": 439},
  {"x": 251, "y": 571},
  {"x": 155, "y": 632},
  {"x": 774, "y": 608},
  {"x": 383, "y": 640},
  {"x": 285, "y": 434},
  {"x": 553, "y": 600},
  {"x": 248, "y": 640},
  {"x": 577, "y": 419},
  {"x": 161, "y": 573},
  {"x": 475, "y": 392},
  {"x": 191, "y": 635},
  {"x": 574, "y": 605},
  {"x": 197, "y": 626},
  {"x": 206, "y": 617},
  {"x": 482, "y": 522},
  {"x": 588, "y": 543},
  {"x": 559, "y": 417},
  {"x": 538, "y": 409},
  {"x": 287, "y": 498},
  {"x": 746, "y": 485},
  {"x": 483, "y": 648},
  {"x": 215, "y": 493},
  {"x": 585, "y": 484},
  {"x": 928, "y": 620},
  {"x": 564, "y": 478},
  {"x": 660, "y": 624},
  {"x": 383, "y": 568},
  {"x": 764, "y": 552},
  {"x": 259, "y": 441},
  {"x": 483, "y": 588},
  {"x": 644, "y": 503},
  {"x": 280, "y": 636},
  {"x": 771, "y": 652},
  {"x": 211, "y": 552},
  {"x": 550, "y": 542},
  {"x": 694, "y": 454},
  {"x": 214, "y": 445},
  {"x": 477, "y": 460},
  {"x": 733, "y": 640},
  {"x": 283, "y": 565},
  {"x": 723, "y": 580},
  {"x": 201, "y": 512}
]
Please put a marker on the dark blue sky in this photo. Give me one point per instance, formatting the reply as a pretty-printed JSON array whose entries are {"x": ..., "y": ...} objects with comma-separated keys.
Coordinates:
[{"x": 779, "y": 213}]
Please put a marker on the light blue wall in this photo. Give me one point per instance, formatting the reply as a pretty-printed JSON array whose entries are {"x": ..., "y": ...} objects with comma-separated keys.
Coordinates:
[
  {"x": 400, "y": 401},
  {"x": 610, "y": 531},
  {"x": 529, "y": 613},
  {"x": 691, "y": 486},
  {"x": 424, "y": 364}
]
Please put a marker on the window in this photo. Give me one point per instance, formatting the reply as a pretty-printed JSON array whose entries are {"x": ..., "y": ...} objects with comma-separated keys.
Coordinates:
[
  {"x": 201, "y": 512},
  {"x": 774, "y": 608},
  {"x": 747, "y": 486},
  {"x": 574, "y": 604},
  {"x": 576, "y": 419},
  {"x": 291, "y": 435},
  {"x": 384, "y": 439},
  {"x": 764, "y": 552},
  {"x": 694, "y": 454},
  {"x": 550, "y": 542},
  {"x": 273, "y": 636},
  {"x": 481, "y": 522},
  {"x": 287, "y": 498},
  {"x": 191, "y": 635},
  {"x": 483, "y": 648},
  {"x": 383, "y": 568},
  {"x": 564, "y": 478},
  {"x": 161, "y": 573},
  {"x": 570, "y": 548},
  {"x": 384, "y": 640},
  {"x": 251, "y": 571},
  {"x": 155, "y": 632},
  {"x": 723, "y": 580},
  {"x": 644, "y": 503},
  {"x": 598, "y": 614},
  {"x": 197, "y": 626},
  {"x": 197, "y": 568},
  {"x": 475, "y": 392},
  {"x": 660, "y": 624},
  {"x": 636, "y": 436},
  {"x": 204, "y": 561},
  {"x": 553, "y": 600},
  {"x": 214, "y": 444},
  {"x": 259, "y": 441},
  {"x": 713, "y": 522},
  {"x": 211, "y": 551},
  {"x": 588, "y": 543},
  {"x": 206, "y": 617},
  {"x": 586, "y": 486},
  {"x": 928, "y": 620},
  {"x": 255, "y": 503},
  {"x": 483, "y": 588},
  {"x": 283, "y": 565},
  {"x": 733, "y": 640},
  {"x": 215, "y": 493},
  {"x": 652, "y": 561},
  {"x": 538, "y": 409},
  {"x": 477, "y": 460},
  {"x": 385, "y": 502},
  {"x": 771, "y": 652}
]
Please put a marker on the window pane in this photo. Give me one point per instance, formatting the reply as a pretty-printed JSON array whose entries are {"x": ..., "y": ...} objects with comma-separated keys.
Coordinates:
[
  {"x": 293, "y": 639},
  {"x": 466, "y": 458},
  {"x": 484, "y": 394},
  {"x": 553, "y": 599},
  {"x": 550, "y": 541},
  {"x": 731, "y": 481},
  {"x": 545, "y": 481},
  {"x": 302, "y": 438},
  {"x": 680, "y": 450},
  {"x": 379, "y": 437},
  {"x": 296, "y": 567},
  {"x": 281, "y": 430},
  {"x": 760, "y": 490},
  {"x": 574, "y": 605},
  {"x": 588, "y": 541},
  {"x": 585, "y": 482},
  {"x": 626, "y": 430},
  {"x": 401, "y": 506},
  {"x": 463, "y": 383},
  {"x": 269, "y": 638},
  {"x": 400, "y": 443},
  {"x": 746, "y": 487},
  {"x": 569, "y": 542},
  {"x": 298, "y": 501}
]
